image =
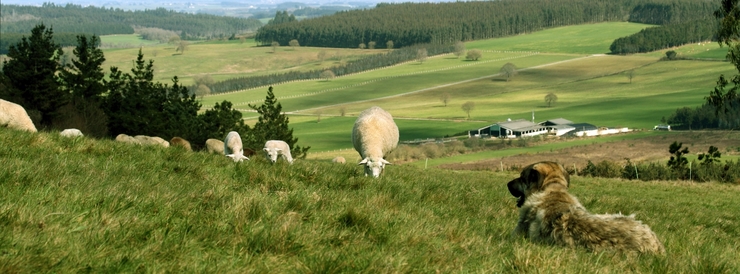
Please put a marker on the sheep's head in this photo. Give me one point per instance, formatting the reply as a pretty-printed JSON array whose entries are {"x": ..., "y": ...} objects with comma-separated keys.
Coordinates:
[
  {"x": 374, "y": 165},
  {"x": 238, "y": 157},
  {"x": 272, "y": 153}
]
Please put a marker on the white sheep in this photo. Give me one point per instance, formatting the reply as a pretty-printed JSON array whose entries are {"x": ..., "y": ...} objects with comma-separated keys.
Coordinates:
[
  {"x": 275, "y": 148},
  {"x": 14, "y": 116},
  {"x": 215, "y": 146},
  {"x": 233, "y": 147},
  {"x": 180, "y": 142},
  {"x": 374, "y": 135},
  {"x": 338, "y": 160},
  {"x": 127, "y": 139},
  {"x": 147, "y": 140},
  {"x": 71, "y": 132}
]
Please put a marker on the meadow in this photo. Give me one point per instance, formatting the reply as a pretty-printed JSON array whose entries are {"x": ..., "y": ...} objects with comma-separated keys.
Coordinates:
[
  {"x": 86, "y": 205},
  {"x": 222, "y": 60},
  {"x": 568, "y": 61}
]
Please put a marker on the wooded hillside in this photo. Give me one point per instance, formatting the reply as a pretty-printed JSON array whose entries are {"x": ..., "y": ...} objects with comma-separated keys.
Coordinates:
[
  {"x": 413, "y": 23},
  {"x": 101, "y": 21}
]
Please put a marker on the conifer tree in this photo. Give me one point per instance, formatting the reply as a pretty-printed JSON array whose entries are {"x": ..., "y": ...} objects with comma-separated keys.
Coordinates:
[
  {"x": 32, "y": 70},
  {"x": 218, "y": 121},
  {"x": 273, "y": 125},
  {"x": 83, "y": 80},
  {"x": 136, "y": 105}
]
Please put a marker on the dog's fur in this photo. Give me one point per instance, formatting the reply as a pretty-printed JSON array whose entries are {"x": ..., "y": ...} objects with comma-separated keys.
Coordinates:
[{"x": 549, "y": 214}]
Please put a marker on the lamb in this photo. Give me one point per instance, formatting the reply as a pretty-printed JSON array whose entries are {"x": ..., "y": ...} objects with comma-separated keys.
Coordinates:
[
  {"x": 274, "y": 148},
  {"x": 14, "y": 116},
  {"x": 233, "y": 147},
  {"x": 215, "y": 146},
  {"x": 374, "y": 135},
  {"x": 180, "y": 142},
  {"x": 71, "y": 132},
  {"x": 338, "y": 160},
  {"x": 147, "y": 140},
  {"x": 127, "y": 139}
]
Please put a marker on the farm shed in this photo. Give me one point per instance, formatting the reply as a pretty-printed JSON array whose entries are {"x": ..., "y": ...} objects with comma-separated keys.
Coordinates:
[
  {"x": 510, "y": 129},
  {"x": 559, "y": 126}
]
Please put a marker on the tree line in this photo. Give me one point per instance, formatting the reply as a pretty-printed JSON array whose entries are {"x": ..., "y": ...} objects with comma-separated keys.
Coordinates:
[
  {"x": 367, "y": 63},
  {"x": 98, "y": 21},
  {"x": 688, "y": 22},
  {"x": 77, "y": 95},
  {"x": 417, "y": 23}
]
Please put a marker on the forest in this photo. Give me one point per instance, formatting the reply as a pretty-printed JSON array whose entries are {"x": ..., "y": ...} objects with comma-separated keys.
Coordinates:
[
  {"x": 70, "y": 20},
  {"x": 414, "y": 23}
]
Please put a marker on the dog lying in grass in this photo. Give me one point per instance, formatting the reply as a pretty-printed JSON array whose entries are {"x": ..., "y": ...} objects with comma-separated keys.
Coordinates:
[{"x": 549, "y": 214}]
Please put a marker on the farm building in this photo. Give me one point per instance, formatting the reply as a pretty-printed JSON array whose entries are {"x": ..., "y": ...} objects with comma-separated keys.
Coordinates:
[
  {"x": 556, "y": 127},
  {"x": 559, "y": 126},
  {"x": 510, "y": 129}
]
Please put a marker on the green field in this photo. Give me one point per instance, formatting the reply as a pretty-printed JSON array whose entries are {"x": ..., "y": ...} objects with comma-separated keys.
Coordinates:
[
  {"x": 124, "y": 41},
  {"x": 581, "y": 39},
  {"x": 224, "y": 60},
  {"x": 590, "y": 88},
  {"x": 86, "y": 205}
]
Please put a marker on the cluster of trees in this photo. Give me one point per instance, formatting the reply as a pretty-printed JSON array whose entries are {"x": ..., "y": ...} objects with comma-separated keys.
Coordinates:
[
  {"x": 414, "y": 23},
  {"x": 367, "y": 63},
  {"x": 681, "y": 22},
  {"x": 91, "y": 20},
  {"x": 722, "y": 106},
  {"x": 655, "y": 38},
  {"x": 77, "y": 95}
]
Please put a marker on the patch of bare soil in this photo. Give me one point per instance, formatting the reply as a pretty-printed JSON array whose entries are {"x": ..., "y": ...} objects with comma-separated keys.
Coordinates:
[{"x": 638, "y": 150}]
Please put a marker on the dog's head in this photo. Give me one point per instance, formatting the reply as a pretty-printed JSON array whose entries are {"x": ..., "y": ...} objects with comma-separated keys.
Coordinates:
[{"x": 537, "y": 177}]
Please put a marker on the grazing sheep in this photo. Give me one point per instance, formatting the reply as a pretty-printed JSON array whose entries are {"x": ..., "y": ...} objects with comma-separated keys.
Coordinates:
[
  {"x": 127, "y": 139},
  {"x": 147, "y": 140},
  {"x": 71, "y": 132},
  {"x": 273, "y": 148},
  {"x": 215, "y": 146},
  {"x": 374, "y": 135},
  {"x": 180, "y": 142},
  {"x": 14, "y": 116},
  {"x": 339, "y": 160},
  {"x": 233, "y": 147}
]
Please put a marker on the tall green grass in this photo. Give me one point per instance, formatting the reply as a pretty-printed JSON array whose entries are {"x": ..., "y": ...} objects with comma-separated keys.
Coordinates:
[{"x": 83, "y": 205}]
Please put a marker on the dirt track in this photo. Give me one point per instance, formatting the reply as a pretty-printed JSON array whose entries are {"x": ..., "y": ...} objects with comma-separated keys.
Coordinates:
[{"x": 640, "y": 150}]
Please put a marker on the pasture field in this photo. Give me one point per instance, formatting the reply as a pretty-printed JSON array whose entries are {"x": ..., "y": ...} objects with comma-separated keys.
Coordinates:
[
  {"x": 124, "y": 41},
  {"x": 85, "y": 205},
  {"x": 224, "y": 60},
  {"x": 580, "y": 39}
]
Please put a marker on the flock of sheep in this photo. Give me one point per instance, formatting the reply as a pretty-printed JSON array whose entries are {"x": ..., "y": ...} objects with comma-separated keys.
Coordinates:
[{"x": 374, "y": 135}]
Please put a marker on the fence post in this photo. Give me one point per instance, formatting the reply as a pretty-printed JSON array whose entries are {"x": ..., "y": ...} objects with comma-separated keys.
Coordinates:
[
  {"x": 425, "y": 163},
  {"x": 636, "y": 174}
]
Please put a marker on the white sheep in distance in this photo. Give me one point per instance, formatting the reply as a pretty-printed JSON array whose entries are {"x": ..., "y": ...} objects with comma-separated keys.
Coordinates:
[
  {"x": 233, "y": 147},
  {"x": 180, "y": 142},
  {"x": 14, "y": 116},
  {"x": 374, "y": 135},
  {"x": 338, "y": 160},
  {"x": 148, "y": 140},
  {"x": 215, "y": 146},
  {"x": 275, "y": 148},
  {"x": 71, "y": 132},
  {"x": 127, "y": 139}
]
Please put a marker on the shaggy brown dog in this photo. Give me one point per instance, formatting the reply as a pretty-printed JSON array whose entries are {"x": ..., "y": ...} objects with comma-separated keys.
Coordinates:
[{"x": 549, "y": 214}]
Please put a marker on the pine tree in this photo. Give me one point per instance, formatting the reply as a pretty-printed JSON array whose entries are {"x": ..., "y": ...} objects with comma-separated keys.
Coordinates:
[
  {"x": 83, "y": 80},
  {"x": 136, "y": 105},
  {"x": 273, "y": 125},
  {"x": 32, "y": 70},
  {"x": 218, "y": 121}
]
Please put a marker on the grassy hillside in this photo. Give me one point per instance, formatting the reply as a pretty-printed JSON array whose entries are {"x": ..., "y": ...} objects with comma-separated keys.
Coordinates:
[
  {"x": 590, "y": 88},
  {"x": 71, "y": 205},
  {"x": 224, "y": 59}
]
